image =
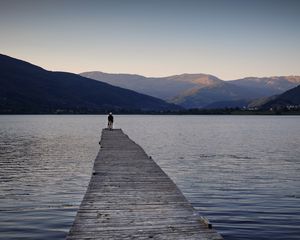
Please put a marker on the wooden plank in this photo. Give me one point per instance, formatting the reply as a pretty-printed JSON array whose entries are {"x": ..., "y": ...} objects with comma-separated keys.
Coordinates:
[{"x": 130, "y": 197}]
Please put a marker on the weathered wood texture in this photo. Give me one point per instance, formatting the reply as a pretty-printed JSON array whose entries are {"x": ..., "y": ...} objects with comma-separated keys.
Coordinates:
[{"x": 130, "y": 197}]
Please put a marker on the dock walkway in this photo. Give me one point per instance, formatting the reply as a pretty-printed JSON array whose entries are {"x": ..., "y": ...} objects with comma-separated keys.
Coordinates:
[{"x": 130, "y": 197}]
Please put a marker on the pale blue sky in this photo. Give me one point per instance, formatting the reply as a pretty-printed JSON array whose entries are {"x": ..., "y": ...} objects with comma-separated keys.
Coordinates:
[{"x": 229, "y": 39}]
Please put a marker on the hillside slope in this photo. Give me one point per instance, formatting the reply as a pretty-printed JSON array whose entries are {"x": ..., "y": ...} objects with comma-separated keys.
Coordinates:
[
  {"x": 200, "y": 90},
  {"x": 165, "y": 88},
  {"x": 268, "y": 85},
  {"x": 288, "y": 98},
  {"x": 26, "y": 88}
]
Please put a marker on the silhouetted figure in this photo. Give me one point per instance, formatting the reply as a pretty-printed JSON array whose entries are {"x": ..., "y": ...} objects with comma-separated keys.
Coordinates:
[{"x": 110, "y": 121}]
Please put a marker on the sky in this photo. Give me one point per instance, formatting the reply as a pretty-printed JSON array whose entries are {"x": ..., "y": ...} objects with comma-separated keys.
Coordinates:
[{"x": 230, "y": 39}]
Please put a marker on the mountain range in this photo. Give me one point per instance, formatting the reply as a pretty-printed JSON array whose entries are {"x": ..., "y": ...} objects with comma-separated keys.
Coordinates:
[
  {"x": 200, "y": 90},
  {"x": 26, "y": 88}
]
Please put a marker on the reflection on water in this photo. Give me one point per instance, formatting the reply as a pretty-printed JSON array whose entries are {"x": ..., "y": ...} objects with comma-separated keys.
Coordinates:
[
  {"x": 239, "y": 171},
  {"x": 45, "y": 167}
]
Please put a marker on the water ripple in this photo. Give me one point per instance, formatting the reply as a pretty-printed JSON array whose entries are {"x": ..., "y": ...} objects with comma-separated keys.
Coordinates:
[{"x": 240, "y": 172}]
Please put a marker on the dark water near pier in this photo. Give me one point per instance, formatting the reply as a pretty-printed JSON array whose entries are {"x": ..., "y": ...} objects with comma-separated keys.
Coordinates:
[{"x": 241, "y": 172}]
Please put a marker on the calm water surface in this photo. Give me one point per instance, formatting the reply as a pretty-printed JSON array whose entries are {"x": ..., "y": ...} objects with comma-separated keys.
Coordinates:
[{"x": 241, "y": 172}]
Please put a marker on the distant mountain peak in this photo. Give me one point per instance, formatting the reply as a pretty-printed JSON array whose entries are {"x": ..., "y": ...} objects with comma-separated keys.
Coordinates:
[
  {"x": 95, "y": 73},
  {"x": 200, "y": 89}
]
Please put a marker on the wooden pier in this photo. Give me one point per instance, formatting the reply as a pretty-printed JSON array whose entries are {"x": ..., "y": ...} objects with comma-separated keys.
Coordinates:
[{"x": 130, "y": 197}]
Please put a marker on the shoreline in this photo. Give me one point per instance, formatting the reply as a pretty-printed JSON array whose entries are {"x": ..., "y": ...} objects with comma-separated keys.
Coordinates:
[{"x": 188, "y": 112}]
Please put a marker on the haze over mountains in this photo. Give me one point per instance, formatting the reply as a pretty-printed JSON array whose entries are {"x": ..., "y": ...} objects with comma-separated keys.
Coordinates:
[
  {"x": 200, "y": 90},
  {"x": 26, "y": 88}
]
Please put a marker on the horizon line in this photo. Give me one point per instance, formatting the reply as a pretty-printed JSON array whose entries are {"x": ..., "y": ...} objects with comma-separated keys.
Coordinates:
[{"x": 146, "y": 75}]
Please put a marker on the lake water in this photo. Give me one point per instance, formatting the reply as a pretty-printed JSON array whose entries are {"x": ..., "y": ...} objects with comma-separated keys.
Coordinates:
[{"x": 241, "y": 172}]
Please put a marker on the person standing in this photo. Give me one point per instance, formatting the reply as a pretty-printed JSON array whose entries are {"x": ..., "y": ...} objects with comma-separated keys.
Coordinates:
[{"x": 110, "y": 121}]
